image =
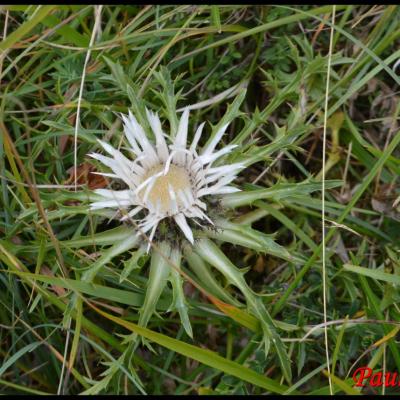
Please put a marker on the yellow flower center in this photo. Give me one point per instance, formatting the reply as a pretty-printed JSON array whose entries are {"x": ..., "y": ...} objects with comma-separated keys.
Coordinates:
[{"x": 177, "y": 178}]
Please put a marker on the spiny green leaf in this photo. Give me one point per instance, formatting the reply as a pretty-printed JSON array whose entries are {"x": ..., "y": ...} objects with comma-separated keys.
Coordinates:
[{"x": 276, "y": 192}]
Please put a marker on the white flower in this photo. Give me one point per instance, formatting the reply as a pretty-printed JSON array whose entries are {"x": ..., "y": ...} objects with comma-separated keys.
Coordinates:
[{"x": 167, "y": 181}]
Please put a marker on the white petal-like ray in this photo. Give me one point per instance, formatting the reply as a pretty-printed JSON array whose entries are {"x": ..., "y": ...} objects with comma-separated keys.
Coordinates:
[
  {"x": 148, "y": 223},
  {"x": 189, "y": 195},
  {"x": 225, "y": 168},
  {"x": 226, "y": 190},
  {"x": 135, "y": 167},
  {"x": 196, "y": 138},
  {"x": 110, "y": 204},
  {"x": 119, "y": 168},
  {"x": 214, "y": 177},
  {"x": 130, "y": 135},
  {"x": 223, "y": 190},
  {"x": 195, "y": 212},
  {"x": 197, "y": 165},
  {"x": 153, "y": 231},
  {"x": 109, "y": 162},
  {"x": 132, "y": 213},
  {"x": 211, "y": 189},
  {"x": 161, "y": 145},
  {"x": 126, "y": 165},
  {"x": 114, "y": 194},
  {"x": 141, "y": 137},
  {"x": 168, "y": 162},
  {"x": 182, "y": 223},
  {"x": 211, "y": 146},
  {"x": 181, "y": 136},
  {"x": 210, "y": 158},
  {"x": 107, "y": 175},
  {"x": 202, "y": 205},
  {"x": 107, "y": 147},
  {"x": 184, "y": 199},
  {"x": 183, "y": 202}
]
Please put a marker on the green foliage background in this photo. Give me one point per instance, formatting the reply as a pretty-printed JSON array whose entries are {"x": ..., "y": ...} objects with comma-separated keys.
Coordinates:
[{"x": 46, "y": 232}]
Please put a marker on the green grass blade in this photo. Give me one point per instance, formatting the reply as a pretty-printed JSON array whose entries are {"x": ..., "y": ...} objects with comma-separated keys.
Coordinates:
[
  {"x": 26, "y": 27},
  {"x": 373, "y": 273},
  {"x": 204, "y": 356}
]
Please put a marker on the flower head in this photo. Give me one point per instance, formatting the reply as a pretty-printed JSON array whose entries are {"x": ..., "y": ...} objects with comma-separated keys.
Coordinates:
[{"x": 166, "y": 180}]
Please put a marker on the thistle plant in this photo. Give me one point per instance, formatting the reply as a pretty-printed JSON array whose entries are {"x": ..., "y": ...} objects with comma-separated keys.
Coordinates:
[{"x": 172, "y": 201}]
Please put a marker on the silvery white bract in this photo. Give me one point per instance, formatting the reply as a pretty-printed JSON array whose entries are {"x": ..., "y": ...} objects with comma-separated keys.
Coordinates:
[{"x": 166, "y": 180}]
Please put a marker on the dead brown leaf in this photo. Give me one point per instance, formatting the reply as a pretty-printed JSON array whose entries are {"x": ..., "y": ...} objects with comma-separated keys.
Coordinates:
[
  {"x": 85, "y": 176},
  {"x": 60, "y": 291}
]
